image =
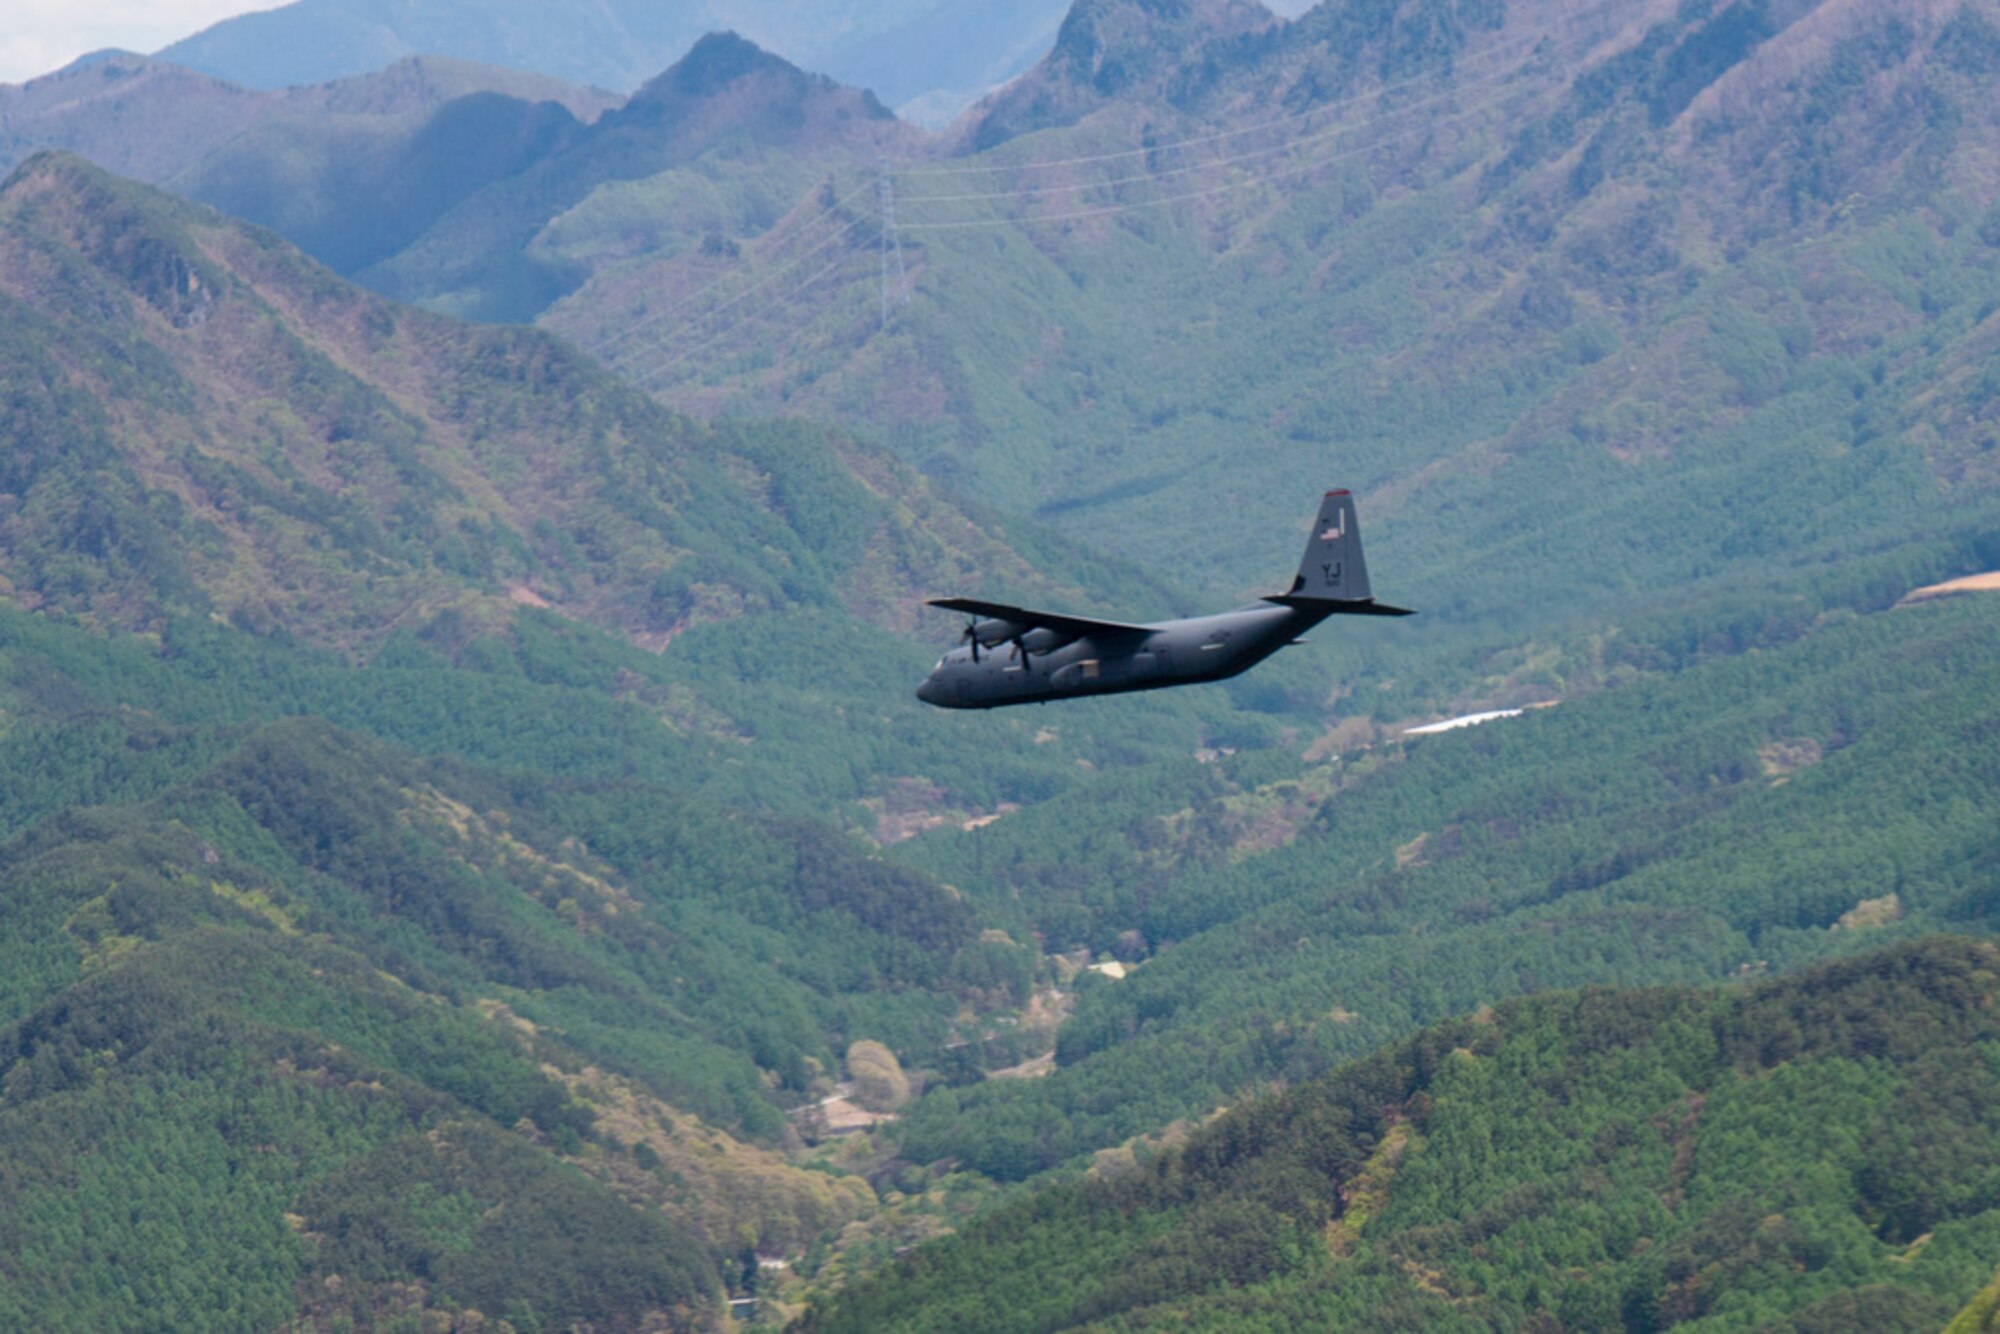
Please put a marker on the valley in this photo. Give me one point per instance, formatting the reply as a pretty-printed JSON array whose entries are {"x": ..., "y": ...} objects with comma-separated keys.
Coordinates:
[{"x": 464, "y": 537}]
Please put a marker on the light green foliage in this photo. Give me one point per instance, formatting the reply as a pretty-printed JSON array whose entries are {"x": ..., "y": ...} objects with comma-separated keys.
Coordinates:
[
  {"x": 1981, "y": 1315},
  {"x": 878, "y": 1077}
]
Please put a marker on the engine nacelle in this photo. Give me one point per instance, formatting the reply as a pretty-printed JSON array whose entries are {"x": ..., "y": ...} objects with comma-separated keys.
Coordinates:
[{"x": 993, "y": 633}]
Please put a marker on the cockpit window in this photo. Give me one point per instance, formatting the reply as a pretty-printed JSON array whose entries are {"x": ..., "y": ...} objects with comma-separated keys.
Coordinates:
[{"x": 940, "y": 665}]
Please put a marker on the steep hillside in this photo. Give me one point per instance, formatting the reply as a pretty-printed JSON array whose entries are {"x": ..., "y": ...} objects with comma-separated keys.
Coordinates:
[
  {"x": 393, "y": 1026},
  {"x": 353, "y": 192},
  {"x": 1570, "y": 293},
  {"x": 1816, "y": 1153},
  {"x": 196, "y": 1139},
  {"x": 726, "y": 138},
  {"x": 201, "y": 420},
  {"x": 450, "y": 883},
  {"x": 396, "y": 1022},
  {"x": 1115, "y": 50},
  {"x": 201, "y": 425},
  {"x": 483, "y": 192}
]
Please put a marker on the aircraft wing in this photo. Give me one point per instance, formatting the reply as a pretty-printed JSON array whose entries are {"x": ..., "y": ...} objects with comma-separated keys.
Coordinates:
[{"x": 1076, "y": 627}]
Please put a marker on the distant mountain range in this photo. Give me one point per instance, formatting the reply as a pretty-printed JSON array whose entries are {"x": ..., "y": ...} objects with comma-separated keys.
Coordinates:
[
  {"x": 461, "y": 795},
  {"x": 475, "y": 190},
  {"x": 933, "y": 57},
  {"x": 149, "y": 119},
  {"x": 1459, "y": 258}
]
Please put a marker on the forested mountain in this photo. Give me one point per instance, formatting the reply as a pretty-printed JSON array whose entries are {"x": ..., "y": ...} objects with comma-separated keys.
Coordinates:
[
  {"x": 1816, "y": 1153},
  {"x": 939, "y": 54},
  {"x": 383, "y": 1028},
  {"x": 381, "y": 1011},
  {"x": 203, "y": 421},
  {"x": 449, "y": 799},
  {"x": 1569, "y": 292},
  {"x": 1657, "y": 251},
  {"x": 483, "y": 192},
  {"x": 295, "y": 1023},
  {"x": 724, "y": 142}
]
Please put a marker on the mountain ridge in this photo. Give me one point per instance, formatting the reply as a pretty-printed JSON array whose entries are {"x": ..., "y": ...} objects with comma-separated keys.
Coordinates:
[
  {"x": 163, "y": 117},
  {"x": 1515, "y": 274},
  {"x": 1762, "y": 1153},
  {"x": 389, "y": 409},
  {"x": 907, "y": 50}
]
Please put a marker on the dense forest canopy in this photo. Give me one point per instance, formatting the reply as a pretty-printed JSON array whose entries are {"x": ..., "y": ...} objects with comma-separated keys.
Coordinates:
[
  {"x": 460, "y": 785},
  {"x": 1816, "y": 1152}
]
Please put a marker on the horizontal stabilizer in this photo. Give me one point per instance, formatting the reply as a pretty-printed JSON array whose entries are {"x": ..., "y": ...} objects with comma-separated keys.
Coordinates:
[{"x": 1341, "y": 607}]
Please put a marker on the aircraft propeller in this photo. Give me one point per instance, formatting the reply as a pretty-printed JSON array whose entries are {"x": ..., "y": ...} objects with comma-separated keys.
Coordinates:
[{"x": 992, "y": 633}]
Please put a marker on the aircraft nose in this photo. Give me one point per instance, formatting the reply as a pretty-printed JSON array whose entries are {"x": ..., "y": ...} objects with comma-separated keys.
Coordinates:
[{"x": 927, "y": 692}]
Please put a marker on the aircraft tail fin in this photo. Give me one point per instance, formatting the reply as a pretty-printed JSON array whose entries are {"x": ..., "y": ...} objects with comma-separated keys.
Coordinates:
[{"x": 1333, "y": 569}]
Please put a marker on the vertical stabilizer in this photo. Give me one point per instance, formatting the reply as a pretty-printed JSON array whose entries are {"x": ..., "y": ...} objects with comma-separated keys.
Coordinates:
[{"x": 1332, "y": 569}]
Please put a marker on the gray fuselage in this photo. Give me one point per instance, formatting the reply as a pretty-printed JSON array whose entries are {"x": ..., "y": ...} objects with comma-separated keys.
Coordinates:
[{"x": 1147, "y": 657}]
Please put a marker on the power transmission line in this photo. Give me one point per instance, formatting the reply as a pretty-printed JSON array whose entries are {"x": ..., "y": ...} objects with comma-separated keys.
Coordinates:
[
  {"x": 769, "y": 278},
  {"x": 608, "y": 350},
  {"x": 1263, "y": 179},
  {"x": 1285, "y": 147},
  {"x": 891, "y": 245},
  {"x": 759, "y": 286},
  {"x": 891, "y": 229},
  {"x": 1498, "y": 48},
  {"x": 649, "y": 379}
]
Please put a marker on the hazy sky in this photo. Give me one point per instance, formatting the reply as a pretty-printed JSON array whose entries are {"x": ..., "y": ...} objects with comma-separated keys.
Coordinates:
[{"x": 40, "y": 36}]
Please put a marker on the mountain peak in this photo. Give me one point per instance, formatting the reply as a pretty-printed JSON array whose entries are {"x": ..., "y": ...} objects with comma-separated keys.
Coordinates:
[
  {"x": 55, "y": 174},
  {"x": 716, "y": 63},
  {"x": 719, "y": 59},
  {"x": 1114, "y": 44},
  {"x": 132, "y": 235},
  {"x": 103, "y": 55},
  {"x": 1110, "y": 49},
  {"x": 722, "y": 64}
]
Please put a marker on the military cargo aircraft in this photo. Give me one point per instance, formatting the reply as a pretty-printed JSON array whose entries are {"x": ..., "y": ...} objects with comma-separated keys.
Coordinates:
[{"x": 1049, "y": 655}]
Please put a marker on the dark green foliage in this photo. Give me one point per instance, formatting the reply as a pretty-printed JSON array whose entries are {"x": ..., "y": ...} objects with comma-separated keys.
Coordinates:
[
  {"x": 344, "y": 836},
  {"x": 1636, "y": 834},
  {"x": 1606, "y": 1158},
  {"x": 159, "y": 1119},
  {"x": 558, "y": 1249},
  {"x": 1668, "y": 471}
]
